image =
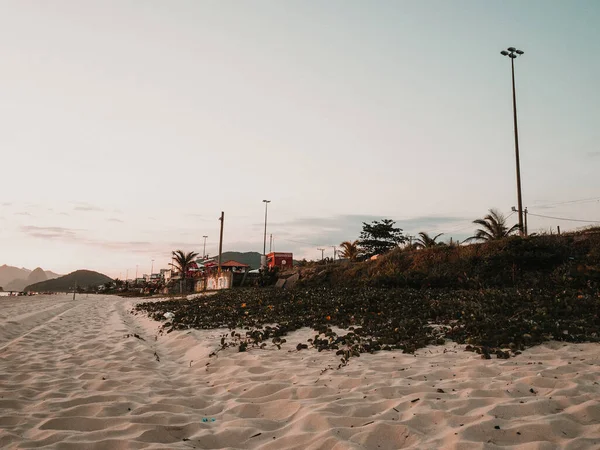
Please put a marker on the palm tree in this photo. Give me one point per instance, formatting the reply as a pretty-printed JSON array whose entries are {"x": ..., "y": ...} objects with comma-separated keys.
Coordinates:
[
  {"x": 493, "y": 227},
  {"x": 426, "y": 241},
  {"x": 183, "y": 261},
  {"x": 349, "y": 250}
]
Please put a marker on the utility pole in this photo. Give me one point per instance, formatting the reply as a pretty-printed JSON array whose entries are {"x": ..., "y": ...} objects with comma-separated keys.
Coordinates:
[
  {"x": 222, "y": 219},
  {"x": 512, "y": 53},
  {"x": 151, "y": 269},
  {"x": 271, "y": 244},
  {"x": 322, "y": 253},
  {"x": 204, "y": 250},
  {"x": 266, "y": 202},
  {"x": 526, "y": 231},
  {"x": 136, "y": 273}
]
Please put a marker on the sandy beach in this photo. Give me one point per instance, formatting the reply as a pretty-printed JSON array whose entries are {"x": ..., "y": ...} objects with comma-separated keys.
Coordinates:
[{"x": 87, "y": 374}]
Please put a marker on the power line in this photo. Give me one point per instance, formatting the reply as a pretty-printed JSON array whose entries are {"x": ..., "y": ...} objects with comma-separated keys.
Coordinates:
[
  {"x": 565, "y": 218},
  {"x": 581, "y": 200},
  {"x": 299, "y": 242}
]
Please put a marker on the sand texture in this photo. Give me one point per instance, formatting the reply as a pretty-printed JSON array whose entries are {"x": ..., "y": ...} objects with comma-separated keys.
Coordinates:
[{"x": 74, "y": 375}]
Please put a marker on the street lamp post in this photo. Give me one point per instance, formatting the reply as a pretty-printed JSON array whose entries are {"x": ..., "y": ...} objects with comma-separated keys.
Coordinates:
[
  {"x": 151, "y": 269},
  {"x": 322, "y": 250},
  {"x": 512, "y": 53},
  {"x": 204, "y": 250},
  {"x": 266, "y": 202}
]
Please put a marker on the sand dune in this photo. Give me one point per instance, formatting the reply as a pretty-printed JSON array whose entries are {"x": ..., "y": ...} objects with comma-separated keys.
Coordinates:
[{"x": 73, "y": 376}]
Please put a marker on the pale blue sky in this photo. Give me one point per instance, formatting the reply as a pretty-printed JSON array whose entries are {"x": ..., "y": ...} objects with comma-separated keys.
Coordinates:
[{"x": 127, "y": 126}]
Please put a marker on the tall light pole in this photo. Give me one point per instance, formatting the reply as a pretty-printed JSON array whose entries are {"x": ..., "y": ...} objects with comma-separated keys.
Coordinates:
[
  {"x": 322, "y": 250},
  {"x": 151, "y": 269},
  {"x": 266, "y": 202},
  {"x": 222, "y": 219},
  {"x": 512, "y": 53},
  {"x": 204, "y": 250}
]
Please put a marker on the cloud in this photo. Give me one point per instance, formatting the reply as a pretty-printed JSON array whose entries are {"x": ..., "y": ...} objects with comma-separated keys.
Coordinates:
[
  {"x": 74, "y": 236},
  {"x": 129, "y": 246},
  {"x": 49, "y": 232},
  {"x": 202, "y": 217},
  {"x": 87, "y": 207},
  {"x": 593, "y": 154},
  {"x": 23, "y": 213},
  {"x": 113, "y": 219},
  {"x": 6, "y": 203}
]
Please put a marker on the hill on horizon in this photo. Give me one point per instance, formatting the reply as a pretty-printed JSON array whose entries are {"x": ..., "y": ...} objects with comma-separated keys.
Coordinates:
[
  {"x": 15, "y": 279},
  {"x": 80, "y": 278},
  {"x": 10, "y": 273},
  {"x": 250, "y": 258}
]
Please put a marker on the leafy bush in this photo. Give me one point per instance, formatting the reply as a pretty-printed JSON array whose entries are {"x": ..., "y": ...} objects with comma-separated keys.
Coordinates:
[
  {"x": 386, "y": 319},
  {"x": 567, "y": 260}
]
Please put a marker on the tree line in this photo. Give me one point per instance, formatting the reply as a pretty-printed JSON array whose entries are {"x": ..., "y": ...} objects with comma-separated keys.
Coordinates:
[{"x": 381, "y": 236}]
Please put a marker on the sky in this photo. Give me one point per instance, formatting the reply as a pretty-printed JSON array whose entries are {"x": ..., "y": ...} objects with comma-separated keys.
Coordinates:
[{"x": 126, "y": 127}]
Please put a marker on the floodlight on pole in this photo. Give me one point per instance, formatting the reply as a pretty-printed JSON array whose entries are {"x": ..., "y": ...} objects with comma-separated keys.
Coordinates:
[{"x": 512, "y": 53}]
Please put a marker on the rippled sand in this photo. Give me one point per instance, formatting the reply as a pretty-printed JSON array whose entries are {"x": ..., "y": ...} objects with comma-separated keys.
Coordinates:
[{"x": 74, "y": 376}]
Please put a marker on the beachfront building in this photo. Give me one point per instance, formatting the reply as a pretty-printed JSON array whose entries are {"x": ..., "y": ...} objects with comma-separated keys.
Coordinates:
[
  {"x": 165, "y": 275},
  {"x": 234, "y": 266},
  {"x": 280, "y": 260},
  {"x": 208, "y": 277}
]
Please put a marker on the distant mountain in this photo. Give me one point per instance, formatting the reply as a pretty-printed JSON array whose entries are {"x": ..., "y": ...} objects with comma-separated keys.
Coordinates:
[
  {"x": 80, "y": 278},
  {"x": 38, "y": 275},
  {"x": 51, "y": 275},
  {"x": 34, "y": 277},
  {"x": 10, "y": 273},
  {"x": 250, "y": 258}
]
